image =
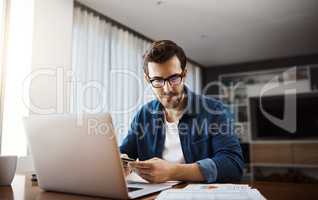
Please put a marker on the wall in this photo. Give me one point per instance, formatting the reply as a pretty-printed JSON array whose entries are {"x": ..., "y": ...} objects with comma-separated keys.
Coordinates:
[{"x": 212, "y": 73}]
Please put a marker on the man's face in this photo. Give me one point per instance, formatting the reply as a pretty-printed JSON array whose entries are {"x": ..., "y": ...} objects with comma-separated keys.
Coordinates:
[{"x": 168, "y": 95}]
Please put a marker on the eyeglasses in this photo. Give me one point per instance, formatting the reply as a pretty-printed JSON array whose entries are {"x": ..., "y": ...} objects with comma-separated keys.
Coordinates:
[{"x": 173, "y": 80}]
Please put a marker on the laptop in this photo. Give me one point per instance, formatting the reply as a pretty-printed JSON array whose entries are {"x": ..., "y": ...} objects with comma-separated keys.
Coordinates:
[{"x": 80, "y": 155}]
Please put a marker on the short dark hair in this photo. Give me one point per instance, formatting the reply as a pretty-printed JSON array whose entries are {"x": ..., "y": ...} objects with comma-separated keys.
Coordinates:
[{"x": 163, "y": 50}]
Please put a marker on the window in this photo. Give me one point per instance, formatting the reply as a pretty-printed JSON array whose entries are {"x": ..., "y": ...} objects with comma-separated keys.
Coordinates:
[
  {"x": 17, "y": 65},
  {"x": 2, "y": 46}
]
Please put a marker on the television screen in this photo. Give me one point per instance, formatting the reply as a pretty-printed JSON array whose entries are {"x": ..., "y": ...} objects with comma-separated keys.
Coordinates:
[{"x": 264, "y": 127}]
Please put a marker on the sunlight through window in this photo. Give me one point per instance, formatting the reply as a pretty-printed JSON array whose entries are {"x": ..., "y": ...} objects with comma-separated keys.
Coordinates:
[{"x": 17, "y": 67}]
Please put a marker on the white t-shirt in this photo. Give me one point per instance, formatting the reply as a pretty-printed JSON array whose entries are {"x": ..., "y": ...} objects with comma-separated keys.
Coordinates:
[{"x": 172, "y": 150}]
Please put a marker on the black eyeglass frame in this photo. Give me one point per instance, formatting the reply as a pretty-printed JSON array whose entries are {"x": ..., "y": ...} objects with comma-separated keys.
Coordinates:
[{"x": 168, "y": 79}]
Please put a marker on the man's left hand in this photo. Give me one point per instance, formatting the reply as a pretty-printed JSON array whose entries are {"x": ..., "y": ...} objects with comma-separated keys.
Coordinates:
[{"x": 154, "y": 170}]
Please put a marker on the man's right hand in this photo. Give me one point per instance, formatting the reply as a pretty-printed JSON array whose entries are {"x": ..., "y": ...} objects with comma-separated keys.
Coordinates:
[{"x": 127, "y": 168}]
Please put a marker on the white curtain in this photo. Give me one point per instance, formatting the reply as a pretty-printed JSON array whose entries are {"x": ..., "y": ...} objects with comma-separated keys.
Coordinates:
[
  {"x": 194, "y": 80},
  {"x": 107, "y": 67}
]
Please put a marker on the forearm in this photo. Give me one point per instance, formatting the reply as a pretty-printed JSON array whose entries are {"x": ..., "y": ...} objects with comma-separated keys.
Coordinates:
[{"x": 187, "y": 172}]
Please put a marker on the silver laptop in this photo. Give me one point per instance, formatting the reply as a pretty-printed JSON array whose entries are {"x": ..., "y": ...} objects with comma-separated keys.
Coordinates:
[{"x": 80, "y": 155}]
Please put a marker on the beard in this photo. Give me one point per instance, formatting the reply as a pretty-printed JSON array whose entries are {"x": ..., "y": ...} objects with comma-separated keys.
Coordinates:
[{"x": 170, "y": 100}]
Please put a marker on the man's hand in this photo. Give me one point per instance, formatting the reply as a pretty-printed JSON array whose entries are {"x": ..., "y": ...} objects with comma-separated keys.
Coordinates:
[
  {"x": 154, "y": 170},
  {"x": 127, "y": 168}
]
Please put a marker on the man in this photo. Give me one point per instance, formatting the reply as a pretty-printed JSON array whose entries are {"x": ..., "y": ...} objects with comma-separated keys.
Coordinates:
[{"x": 180, "y": 135}]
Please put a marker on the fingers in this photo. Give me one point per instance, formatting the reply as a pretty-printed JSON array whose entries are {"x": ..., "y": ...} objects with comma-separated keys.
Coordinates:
[
  {"x": 126, "y": 166},
  {"x": 145, "y": 164},
  {"x": 151, "y": 179},
  {"x": 145, "y": 171},
  {"x": 127, "y": 170},
  {"x": 147, "y": 177},
  {"x": 141, "y": 165}
]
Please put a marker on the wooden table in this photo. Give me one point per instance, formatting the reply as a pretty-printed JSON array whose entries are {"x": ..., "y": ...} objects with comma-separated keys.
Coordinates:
[{"x": 24, "y": 189}]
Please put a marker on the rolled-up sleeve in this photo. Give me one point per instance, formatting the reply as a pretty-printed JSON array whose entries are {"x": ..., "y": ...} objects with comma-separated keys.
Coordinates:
[{"x": 208, "y": 169}]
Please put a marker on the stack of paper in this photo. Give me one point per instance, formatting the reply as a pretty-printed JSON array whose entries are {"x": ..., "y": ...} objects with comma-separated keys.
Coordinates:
[{"x": 212, "y": 192}]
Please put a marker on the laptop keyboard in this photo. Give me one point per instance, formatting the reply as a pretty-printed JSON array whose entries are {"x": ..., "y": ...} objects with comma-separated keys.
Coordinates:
[{"x": 132, "y": 189}]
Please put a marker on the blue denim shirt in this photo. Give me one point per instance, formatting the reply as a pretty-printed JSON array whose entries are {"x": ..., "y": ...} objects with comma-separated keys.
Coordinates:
[{"x": 206, "y": 134}]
